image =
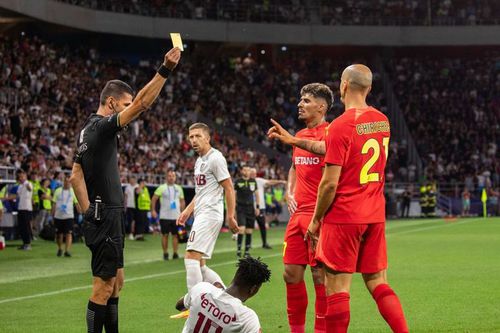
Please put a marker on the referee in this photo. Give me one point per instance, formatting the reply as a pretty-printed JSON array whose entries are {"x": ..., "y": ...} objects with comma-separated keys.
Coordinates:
[
  {"x": 246, "y": 211},
  {"x": 96, "y": 181}
]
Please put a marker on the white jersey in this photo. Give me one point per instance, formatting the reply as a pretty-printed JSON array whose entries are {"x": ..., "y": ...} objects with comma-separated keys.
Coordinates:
[
  {"x": 261, "y": 183},
  {"x": 130, "y": 192},
  {"x": 209, "y": 170},
  {"x": 25, "y": 196},
  {"x": 213, "y": 310}
]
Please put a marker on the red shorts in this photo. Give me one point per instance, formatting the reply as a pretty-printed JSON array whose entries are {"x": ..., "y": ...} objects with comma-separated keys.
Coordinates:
[
  {"x": 296, "y": 250},
  {"x": 353, "y": 248}
]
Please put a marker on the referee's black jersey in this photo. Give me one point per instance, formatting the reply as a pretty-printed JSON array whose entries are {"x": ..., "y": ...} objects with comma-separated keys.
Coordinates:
[
  {"x": 97, "y": 153},
  {"x": 245, "y": 189}
]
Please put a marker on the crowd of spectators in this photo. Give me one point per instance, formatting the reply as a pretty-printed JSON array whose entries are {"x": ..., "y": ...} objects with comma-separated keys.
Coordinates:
[
  {"x": 46, "y": 93},
  {"x": 452, "y": 108},
  {"x": 328, "y": 12}
]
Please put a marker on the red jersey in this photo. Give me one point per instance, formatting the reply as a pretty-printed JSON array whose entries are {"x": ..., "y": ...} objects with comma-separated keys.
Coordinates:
[
  {"x": 358, "y": 141},
  {"x": 308, "y": 170}
]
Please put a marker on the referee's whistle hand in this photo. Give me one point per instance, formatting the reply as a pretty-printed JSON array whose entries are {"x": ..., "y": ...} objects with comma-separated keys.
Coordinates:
[{"x": 172, "y": 58}]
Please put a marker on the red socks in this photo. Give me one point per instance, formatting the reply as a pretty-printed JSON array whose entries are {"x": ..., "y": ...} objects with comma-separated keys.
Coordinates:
[
  {"x": 296, "y": 300},
  {"x": 338, "y": 313},
  {"x": 390, "y": 308},
  {"x": 320, "y": 307}
]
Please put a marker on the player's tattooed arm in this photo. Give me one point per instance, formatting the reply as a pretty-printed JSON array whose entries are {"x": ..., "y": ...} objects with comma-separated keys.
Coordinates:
[
  {"x": 77, "y": 181},
  {"x": 278, "y": 132},
  {"x": 315, "y": 147},
  {"x": 147, "y": 95}
]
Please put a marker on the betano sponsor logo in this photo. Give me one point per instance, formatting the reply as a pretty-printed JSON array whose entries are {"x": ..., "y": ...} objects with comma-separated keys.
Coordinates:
[{"x": 302, "y": 160}]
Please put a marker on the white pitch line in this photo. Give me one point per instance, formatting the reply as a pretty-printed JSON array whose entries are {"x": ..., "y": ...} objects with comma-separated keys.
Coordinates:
[
  {"x": 431, "y": 227},
  {"x": 145, "y": 277},
  {"x": 152, "y": 276}
]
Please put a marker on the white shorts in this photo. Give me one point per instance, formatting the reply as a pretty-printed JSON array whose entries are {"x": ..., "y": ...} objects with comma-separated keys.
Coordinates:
[{"x": 203, "y": 235}]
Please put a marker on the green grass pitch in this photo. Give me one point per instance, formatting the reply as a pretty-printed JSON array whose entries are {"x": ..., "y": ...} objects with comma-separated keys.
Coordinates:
[{"x": 445, "y": 273}]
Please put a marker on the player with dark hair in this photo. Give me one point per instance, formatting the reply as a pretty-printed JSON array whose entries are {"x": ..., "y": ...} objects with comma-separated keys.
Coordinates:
[
  {"x": 96, "y": 181},
  {"x": 303, "y": 180},
  {"x": 350, "y": 207},
  {"x": 222, "y": 310}
]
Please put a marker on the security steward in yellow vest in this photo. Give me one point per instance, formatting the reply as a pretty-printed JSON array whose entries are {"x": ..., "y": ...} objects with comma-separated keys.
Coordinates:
[
  {"x": 143, "y": 204},
  {"x": 424, "y": 201},
  {"x": 431, "y": 200}
]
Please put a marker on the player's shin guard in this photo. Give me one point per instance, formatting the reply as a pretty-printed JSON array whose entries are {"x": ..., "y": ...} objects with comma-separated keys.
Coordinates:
[
  {"x": 111, "y": 320},
  {"x": 320, "y": 307},
  {"x": 96, "y": 314},
  {"x": 193, "y": 272},
  {"x": 211, "y": 276},
  {"x": 390, "y": 308},
  {"x": 338, "y": 313},
  {"x": 296, "y": 301}
]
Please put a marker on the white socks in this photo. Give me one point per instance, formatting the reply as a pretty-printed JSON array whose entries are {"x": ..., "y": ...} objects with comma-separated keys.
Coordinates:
[
  {"x": 210, "y": 276},
  {"x": 193, "y": 273}
]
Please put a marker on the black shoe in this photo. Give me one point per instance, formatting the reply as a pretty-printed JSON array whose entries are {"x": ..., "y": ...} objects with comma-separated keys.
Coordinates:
[
  {"x": 59, "y": 253},
  {"x": 165, "y": 256},
  {"x": 238, "y": 254},
  {"x": 246, "y": 255},
  {"x": 67, "y": 254},
  {"x": 175, "y": 256},
  {"x": 25, "y": 247},
  {"x": 266, "y": 246}
]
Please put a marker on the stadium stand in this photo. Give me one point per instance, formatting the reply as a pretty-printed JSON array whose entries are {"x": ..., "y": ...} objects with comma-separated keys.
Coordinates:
[
  {"x": 328, "y": 12},
  {"x": 457, "y": 99}
]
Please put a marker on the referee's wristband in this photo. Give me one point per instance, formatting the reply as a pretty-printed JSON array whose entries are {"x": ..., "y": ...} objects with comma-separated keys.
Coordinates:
[{"x": 164, "y": 71}]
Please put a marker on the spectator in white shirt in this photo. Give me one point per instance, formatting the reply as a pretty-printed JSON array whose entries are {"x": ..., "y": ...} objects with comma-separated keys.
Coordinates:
[{"x": 24, "y": 209}]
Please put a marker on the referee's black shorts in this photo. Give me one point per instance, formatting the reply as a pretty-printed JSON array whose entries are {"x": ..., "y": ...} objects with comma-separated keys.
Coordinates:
[
  {"x": 168, "y": 227},
  {"x": 105, "y": 238},
  {"x": 246, "y": 216}
]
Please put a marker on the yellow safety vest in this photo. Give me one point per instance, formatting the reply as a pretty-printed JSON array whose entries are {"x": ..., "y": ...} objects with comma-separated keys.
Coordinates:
[
  {"x": 46, "y": 203},
  {"x": 36, "y": 187},
  {"x": 144, "y": 200}
]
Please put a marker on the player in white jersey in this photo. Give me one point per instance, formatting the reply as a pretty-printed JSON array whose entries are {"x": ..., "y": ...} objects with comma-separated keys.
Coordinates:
[
  {"x": 213, "y": 181},
  {"x": 221, "y": 310}
]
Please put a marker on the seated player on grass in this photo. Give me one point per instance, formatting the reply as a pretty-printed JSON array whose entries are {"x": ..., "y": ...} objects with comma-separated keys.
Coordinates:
[{"x": 223, "y": 309}]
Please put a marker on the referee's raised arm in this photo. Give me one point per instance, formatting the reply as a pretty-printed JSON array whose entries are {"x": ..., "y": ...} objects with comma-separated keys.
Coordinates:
[{"x": 147, "y": 95}]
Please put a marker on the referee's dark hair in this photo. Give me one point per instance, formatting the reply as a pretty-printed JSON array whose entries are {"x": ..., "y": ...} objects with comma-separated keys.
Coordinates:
[
  {"x": 251, "y": 272},
  {"x": 115, "y": 88},
  {"x": 319, "y": 90}
]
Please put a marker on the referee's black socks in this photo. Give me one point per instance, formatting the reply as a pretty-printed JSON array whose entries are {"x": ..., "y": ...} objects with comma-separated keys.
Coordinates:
[
  {"x": 248, "y": 242},
  {"x": 111, "y": 321},
  {"x": 240, "y": 241},
  {"x": 96, "y": 314}
]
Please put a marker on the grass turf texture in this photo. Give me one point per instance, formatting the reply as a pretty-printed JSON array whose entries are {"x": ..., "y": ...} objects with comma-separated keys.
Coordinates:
[{"x": 446, "y": 274}]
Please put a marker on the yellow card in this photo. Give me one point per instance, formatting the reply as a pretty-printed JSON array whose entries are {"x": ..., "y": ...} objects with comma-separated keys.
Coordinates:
[{"x": 177, "y": 40}]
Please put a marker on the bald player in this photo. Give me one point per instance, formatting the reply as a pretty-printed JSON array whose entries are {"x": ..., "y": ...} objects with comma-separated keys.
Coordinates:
[{"x": 350, "y": 208}]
